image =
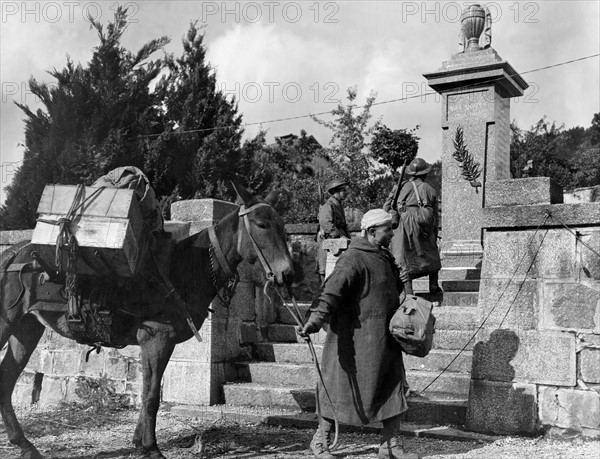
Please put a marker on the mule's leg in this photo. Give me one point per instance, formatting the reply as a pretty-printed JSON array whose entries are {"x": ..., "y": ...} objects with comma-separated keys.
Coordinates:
[
  {"x": 156, "y": 352},
  {"x": 25, "y": 336}
]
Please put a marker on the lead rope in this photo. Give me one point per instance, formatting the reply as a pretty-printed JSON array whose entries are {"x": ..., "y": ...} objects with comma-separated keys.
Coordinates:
[{"x": 297, "y": 317}]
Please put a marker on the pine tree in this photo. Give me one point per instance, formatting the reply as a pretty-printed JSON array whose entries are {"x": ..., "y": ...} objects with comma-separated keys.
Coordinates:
[
  {"x": 94, "y": 119},
  {"x": 199, "y": 146}
]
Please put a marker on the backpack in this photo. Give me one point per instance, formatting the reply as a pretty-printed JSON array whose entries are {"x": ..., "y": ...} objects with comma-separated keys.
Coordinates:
[{"x": 413, "y": 326}]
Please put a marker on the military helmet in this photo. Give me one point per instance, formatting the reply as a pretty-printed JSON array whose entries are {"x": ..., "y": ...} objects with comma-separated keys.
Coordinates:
[
  {"x": 334, "y": 184},
  {"x": 418, "y": 166}
]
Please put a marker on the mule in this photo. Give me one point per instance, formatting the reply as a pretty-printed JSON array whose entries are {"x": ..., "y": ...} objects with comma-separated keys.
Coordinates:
[{"x": 253, "y": 232}]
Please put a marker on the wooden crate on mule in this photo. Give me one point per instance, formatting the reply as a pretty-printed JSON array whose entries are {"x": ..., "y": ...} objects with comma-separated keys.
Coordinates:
[{"x": 108, "y": 228}]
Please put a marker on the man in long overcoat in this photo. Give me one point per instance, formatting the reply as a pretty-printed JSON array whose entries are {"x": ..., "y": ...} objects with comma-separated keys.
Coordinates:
[
  {"x": 414, "y": 244},
  {"x": 332, "y": 221},
  {"x": 362, "y": 365}
]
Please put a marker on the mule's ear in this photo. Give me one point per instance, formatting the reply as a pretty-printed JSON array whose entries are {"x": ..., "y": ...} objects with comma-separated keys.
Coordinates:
[
  {"x": 244, "y": 195},
  {"x": 272, "y": 197}
]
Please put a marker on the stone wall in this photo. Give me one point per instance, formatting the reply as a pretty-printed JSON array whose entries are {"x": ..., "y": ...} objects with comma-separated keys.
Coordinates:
[
  {"x": 196, "y": 371},
  {"x": 536, "y": 363}
]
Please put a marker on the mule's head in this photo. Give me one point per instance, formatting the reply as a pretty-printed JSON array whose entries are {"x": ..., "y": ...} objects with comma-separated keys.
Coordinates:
[{"x": 266, "y": 228}]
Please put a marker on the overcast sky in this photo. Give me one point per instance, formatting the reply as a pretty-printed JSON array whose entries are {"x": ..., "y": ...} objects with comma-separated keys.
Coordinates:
[{"x": 286, "y": 59}]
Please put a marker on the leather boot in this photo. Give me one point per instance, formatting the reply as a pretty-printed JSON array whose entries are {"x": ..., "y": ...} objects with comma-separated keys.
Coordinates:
[
  {"x": 434, "y": 286},
  {"x": 392, "y": 446},
  {"x": 320, "y": 448}
]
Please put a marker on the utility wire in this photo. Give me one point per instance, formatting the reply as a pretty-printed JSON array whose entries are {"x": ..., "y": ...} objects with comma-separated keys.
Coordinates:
[{"x": 401, "y": 99}]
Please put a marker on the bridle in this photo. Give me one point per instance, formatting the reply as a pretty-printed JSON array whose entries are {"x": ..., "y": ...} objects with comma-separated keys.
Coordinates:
[{"x": 230, "y": 273}]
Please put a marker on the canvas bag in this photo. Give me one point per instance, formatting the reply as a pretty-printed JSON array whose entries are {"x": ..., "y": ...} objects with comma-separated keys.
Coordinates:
[
  {"x": 425, "y": 213},
  {"x": 413, "y": 326}
]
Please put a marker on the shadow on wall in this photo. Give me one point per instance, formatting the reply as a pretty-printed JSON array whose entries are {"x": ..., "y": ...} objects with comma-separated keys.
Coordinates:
[
  {"x": 491, "y": 359},
  {"x": 497, "y": 404}
]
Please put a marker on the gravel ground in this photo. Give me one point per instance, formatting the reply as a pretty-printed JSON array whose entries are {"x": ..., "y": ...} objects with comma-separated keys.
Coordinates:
[{"x": 87, "y": 434}]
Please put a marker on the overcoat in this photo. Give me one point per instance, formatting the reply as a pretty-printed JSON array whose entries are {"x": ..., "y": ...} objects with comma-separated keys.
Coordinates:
[
  {"x": 362, "y": 364},
  {"x": 414, "y": 245},
  {"x": 332, "y": 224}
]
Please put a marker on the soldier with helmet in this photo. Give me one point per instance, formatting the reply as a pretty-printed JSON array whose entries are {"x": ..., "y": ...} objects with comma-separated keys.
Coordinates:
[
  {"x": 332, "y": 221},
  {"x": 414, "y": 244}
]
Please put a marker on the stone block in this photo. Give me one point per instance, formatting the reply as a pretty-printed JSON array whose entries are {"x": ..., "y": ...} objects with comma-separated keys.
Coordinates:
[
  {"x": 546, "y": 357},
  {"x": 589, "y": 365},
  {"x": 202, "y": 213},
  {"x": 193, "y": 351},
  {"x": 187, "y": 382},
  {"x": 54, "y": 390},
  {"x": 266, "y": 306},
  {"x": 518, "y": 298},
  {"x": 589, "y": 262},
  {"x": 130, "y": 352},
  {"x": 243, "y": 301},
  {"x": 522, "y": 191},
  {"x": 225, "y": 339},
  {"x": 502, "y": 408},
  {"x": 115, "y": 367},
  {"x": 70, "y": 363},
  {"x": 571, "y": 306},
  {"x": 580, "y": 214},
  {"x": 94, "y": 367},
  {"x": 548, "y": 253},
  {"x": 249, "y": 332},
  {"x": 134, "y": 373},
  {"x": 569, "y": 408}
]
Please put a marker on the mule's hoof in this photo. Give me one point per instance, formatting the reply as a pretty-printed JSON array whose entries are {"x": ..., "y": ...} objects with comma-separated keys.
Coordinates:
[
  {"x": 153, "y": 453},
  {"x": 31, "y": 453}
]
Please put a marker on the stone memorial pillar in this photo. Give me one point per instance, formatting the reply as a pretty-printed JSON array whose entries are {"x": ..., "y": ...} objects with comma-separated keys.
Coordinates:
[
  {"x": 334, "y": 248},
  {"x": 476, "y": 86},
  {"x": 197, "y": 371}
]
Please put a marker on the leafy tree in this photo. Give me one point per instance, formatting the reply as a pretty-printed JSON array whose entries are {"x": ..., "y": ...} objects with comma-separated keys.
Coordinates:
[
  {"x": 294, "y": 166},
  {"x": 571, "y": 157},
  {"x": 394, "y": 147},
  {"x": 349, "y": 152}
]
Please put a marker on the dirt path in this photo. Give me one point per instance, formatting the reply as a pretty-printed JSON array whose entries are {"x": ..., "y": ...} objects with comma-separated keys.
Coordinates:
[{"x": 75, "y": 433}]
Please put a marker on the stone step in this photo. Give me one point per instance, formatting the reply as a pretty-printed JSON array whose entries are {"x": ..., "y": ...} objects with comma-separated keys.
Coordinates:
[
  {"x": 447, "y": 318},
  {"x": 454, "y": 339},
  {"x": 299, "y": 375},
  {"x": 456, "y": 318},
  {"x": 451, "y": 384},
  {"x": 452, "y": 298},
  {"x": 277, "y": 374},
  {"x": 429, "y": 408},
  {"x": 438, "y": 359},
  {"x": 443, "y": 339},
  {"x": 422, "y": 285},
  {"x": 298, "y": 353},
  {"x": 459, "y": 273},
  {"x": 286, "y": 352},
  {"x": 286, "y": 333},
  {"x": 252, "y": 394}
]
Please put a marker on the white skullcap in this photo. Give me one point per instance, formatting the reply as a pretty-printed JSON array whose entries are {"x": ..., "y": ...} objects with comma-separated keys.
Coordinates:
[{"x": 374, "y": 217}]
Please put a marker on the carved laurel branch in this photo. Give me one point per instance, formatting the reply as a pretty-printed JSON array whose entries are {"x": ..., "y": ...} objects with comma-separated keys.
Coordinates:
[{"x": 471, "y": 170}]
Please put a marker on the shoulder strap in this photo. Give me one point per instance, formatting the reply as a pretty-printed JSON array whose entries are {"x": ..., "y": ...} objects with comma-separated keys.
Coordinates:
[{"x": 419, "y": 201}]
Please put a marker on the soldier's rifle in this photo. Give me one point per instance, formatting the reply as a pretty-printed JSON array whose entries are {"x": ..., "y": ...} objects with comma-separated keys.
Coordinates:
[{"x": 394, "y": 202}]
